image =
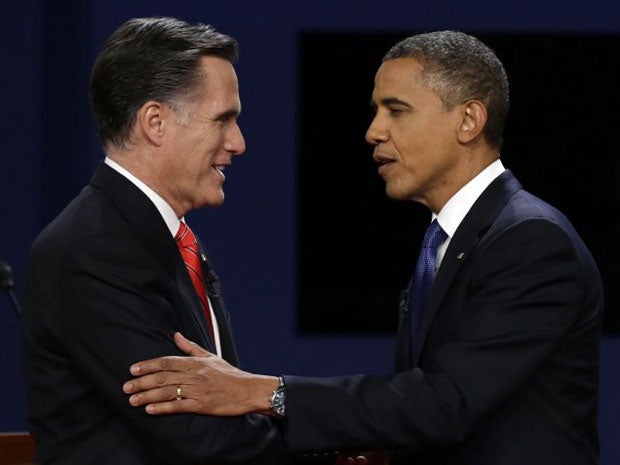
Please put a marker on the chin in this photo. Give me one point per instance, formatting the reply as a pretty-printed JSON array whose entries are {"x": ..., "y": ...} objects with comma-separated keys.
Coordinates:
[
  {"x": 396, "y": 194},
  {"x": 212, "y": 201},
  {"x": 218, "y": 201},
  {"x": 401, "y": 189},
  {"x": 216, "y": 204}
]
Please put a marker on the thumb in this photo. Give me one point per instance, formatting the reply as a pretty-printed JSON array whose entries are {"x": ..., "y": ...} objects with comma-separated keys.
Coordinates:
[{"x": 189, "y": 347}]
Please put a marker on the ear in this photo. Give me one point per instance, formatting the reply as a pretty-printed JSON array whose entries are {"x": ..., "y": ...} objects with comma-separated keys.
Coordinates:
[
  {"x": 473, "y": 121},
  {"x": 151, "y": 123}
]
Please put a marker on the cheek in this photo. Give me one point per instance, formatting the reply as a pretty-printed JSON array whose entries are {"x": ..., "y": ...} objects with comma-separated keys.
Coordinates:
[
  {"x": 411, "y": 146},
  {"x": 422, "y": 145},
  {"x": 209, "y": 149}
]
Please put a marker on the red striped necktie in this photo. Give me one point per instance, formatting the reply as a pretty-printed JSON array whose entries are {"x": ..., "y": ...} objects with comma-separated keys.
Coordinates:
[{"x": 188, "y": 246}]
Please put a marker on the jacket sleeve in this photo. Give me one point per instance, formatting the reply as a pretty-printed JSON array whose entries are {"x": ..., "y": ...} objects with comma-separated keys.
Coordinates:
[
  {"x": 114, "y": 311},
  {"x": 519, "y": 298}
]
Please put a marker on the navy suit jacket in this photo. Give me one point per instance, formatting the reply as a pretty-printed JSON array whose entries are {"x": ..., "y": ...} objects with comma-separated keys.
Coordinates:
[
  {"x": 107, "y": 287},
  {"x": 505, "y": 369}
]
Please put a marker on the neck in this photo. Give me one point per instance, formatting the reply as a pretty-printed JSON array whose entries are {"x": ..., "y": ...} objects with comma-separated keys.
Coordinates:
[
  {"x": 471, "y": 166},
  {"x": 141, "y": 165}
]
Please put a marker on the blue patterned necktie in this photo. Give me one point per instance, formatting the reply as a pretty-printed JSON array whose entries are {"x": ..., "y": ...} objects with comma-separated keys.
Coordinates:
[{"x": 424, "y": 275}]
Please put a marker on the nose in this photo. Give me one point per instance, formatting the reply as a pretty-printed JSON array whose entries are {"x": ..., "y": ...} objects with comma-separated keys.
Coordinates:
[
  {"x": 235, "y": 142},
  {"x": 377, "y": 132}
]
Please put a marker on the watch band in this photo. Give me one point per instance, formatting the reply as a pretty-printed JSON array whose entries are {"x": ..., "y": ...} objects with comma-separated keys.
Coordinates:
[{"x": 277, "y": 399}]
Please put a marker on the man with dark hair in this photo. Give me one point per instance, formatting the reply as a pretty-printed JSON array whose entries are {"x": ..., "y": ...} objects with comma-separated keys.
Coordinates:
[
  {"x": 497, "y": 346},
  {"x": 119, "y": 270}
]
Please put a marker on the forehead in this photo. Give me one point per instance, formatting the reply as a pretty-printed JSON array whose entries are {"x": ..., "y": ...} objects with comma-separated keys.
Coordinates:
[
  {"x": 398, "y": 77},
  {"x": 219, "y": 75},
  {"x": 220, "y": 89}
]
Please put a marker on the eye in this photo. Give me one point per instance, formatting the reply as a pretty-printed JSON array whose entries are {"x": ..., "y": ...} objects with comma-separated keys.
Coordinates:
[
  {"x": 396, "y": 111},
  {"x": 227, "y": 118}
]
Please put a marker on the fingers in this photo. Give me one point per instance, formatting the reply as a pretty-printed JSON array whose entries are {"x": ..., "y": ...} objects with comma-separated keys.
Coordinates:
[
  {"x": 164, "y": 400},
  {"x": 156, "y": 379},
  {"x": 189, "y": 347},
  {"x": 155, "y": 395},
  {"x": 175, "y": 406},
  {"x": 169, "y": 363},
  {"x": 155, "y": 365}
]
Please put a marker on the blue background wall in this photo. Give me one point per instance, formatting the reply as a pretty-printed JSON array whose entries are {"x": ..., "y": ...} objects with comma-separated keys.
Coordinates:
[{"x": 49, "y": 150}]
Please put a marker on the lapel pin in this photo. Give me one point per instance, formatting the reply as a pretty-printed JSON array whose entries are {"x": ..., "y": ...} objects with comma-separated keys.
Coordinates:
[{"x": 460, "y": 256}]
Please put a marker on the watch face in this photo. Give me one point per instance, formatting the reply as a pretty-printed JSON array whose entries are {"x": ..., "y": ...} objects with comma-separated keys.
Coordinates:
[
  {"x": 277, "y": 402},
  {"x": 278, "y": 398}
]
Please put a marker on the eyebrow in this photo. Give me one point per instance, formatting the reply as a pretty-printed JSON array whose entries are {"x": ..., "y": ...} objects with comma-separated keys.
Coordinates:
[
  {"x": 390, "y": 101},
  {"x": 232, "y": 113}
]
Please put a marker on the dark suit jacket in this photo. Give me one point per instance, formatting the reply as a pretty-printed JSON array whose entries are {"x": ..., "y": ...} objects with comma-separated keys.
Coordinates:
[
  {"x": 505, "y": 370},
  {"x": 107, "y": 287}
]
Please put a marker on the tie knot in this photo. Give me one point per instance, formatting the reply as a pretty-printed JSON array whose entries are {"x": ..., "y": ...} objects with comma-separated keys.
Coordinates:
[
  {"x": 185, "y": 237},
  {"x": 434, "y": 236}
]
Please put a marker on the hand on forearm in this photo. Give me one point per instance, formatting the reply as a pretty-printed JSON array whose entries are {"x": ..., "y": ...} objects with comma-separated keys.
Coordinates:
[{"x": 209, "y": 385}]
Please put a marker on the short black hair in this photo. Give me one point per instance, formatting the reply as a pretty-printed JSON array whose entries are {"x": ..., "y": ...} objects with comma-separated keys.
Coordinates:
[
  {"x": 150, "y": 59},
  {"x": 459, "y": 67}
]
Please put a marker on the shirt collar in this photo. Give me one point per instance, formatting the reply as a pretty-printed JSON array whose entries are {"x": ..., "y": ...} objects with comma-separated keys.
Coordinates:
[
  {"x": 163, "y": 207},
  {"x": 453, "y": 212}
]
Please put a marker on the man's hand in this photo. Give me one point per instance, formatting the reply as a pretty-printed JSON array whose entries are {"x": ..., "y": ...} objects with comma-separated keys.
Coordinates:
[{"x": 203, "y": 382}]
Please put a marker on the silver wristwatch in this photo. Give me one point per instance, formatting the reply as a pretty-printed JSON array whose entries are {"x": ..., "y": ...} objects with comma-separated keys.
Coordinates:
[{"x": 277, "y": 399}]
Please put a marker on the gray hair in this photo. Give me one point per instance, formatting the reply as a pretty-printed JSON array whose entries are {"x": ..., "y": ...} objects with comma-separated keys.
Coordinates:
[
  {"x": 458, "y": 67},
  {"x": 151, "y": 59}
]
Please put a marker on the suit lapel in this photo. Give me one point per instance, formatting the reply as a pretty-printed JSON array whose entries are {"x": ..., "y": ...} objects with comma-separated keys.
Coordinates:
[
  {"x": 146, "y": 220},
  {"x": 214, "y": 291},
  {"x": 403, "y": 359},
  {"x": 468, "y": 234},
  {"x": 193, "y": 305}
]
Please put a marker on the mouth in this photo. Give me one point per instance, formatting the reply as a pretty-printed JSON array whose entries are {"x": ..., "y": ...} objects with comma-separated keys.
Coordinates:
[
  {"x": 220, "y": 169},
  {"x": 384, "y": 163}
]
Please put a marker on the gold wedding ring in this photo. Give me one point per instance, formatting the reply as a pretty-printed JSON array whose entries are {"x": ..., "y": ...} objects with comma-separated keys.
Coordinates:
[{"x": 179, "y": 393}]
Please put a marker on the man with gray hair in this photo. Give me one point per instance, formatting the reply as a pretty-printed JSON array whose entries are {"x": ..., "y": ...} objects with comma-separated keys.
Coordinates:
[
  {"x": 497, "y": 346},
  {"x": 119, "y": 270}
]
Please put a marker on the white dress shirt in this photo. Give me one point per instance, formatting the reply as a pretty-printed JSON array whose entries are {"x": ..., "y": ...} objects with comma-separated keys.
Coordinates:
[
  {"x": 453, "y": 212},
  {"x": 171, "y": 220}
]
